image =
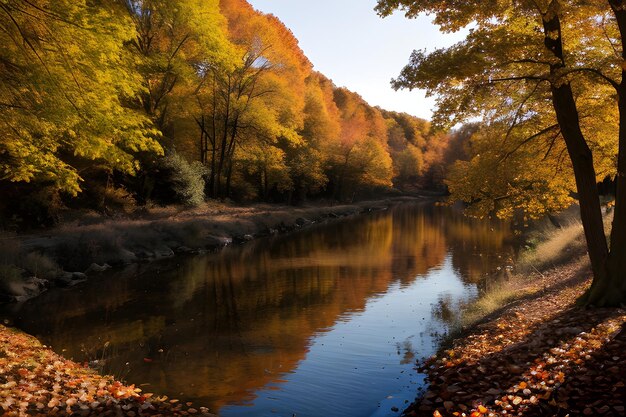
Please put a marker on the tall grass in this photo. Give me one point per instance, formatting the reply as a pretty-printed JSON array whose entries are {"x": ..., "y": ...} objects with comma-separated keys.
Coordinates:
[
  {"x": 553, "y": 247},
  {"x": 547, "y": 247}
]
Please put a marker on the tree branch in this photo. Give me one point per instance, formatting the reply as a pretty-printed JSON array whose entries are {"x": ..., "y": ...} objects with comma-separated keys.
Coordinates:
[
  {"x": 525, "y": 141},
  {"x": 594, "y": 71}
]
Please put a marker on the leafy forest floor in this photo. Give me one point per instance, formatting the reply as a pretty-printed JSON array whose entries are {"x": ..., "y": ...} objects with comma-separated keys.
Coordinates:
[
  {"x": 35, "y": 381},
  {"x": 539, "y": 355}
]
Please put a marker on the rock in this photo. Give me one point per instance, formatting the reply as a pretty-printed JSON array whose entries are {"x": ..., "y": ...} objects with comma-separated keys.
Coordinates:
[
  {"x": 301, "y": 221},
  {"x": 183, "y": 249},
  {"x": 243, "y": 239},
  {"x": 395, "y": 409},
  {"x": 123, "y": 257},
  {"x": 430, "y": 394},
  {"x": 94, "y": 268},
  {"x": 213, "y": 242},
  {"x": 65, "y": 279},
  {"x": 21, "y": 289},
  {"x": 78, "y": 276},
  {"x": 144, "y": 254},
  {"x": 163, "y": 252}
]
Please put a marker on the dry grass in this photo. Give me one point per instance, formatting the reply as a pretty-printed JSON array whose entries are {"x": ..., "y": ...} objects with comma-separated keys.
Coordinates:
[
  {"x": 497, "y": 297},
  {"x": 549, "y": 247},
  {"x": 554, "y": 247}
]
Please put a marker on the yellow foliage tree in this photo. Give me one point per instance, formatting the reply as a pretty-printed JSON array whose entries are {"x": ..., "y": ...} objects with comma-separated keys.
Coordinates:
[{"x": 66, "y": 79}]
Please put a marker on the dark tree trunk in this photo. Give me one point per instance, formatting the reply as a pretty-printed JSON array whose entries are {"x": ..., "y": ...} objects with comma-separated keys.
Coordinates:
[
  {"x": 212, "y": 174},
  {"x": 224, "y": 141},
  {"x": 585, "y": 174},
  {"x": 202, "y": 141},
  {"x": 230, "y": 154},
  {"x": 229, "y": 172},
  {"x": 611, "y": 289},
  {"x": 606, "y": 267}
]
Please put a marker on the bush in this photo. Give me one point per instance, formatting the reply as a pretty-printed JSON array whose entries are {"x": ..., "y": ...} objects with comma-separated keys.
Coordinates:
[{"x": 179, "y": 181}]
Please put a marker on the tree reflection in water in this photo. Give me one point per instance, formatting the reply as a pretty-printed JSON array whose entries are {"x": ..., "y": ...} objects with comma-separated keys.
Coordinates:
[{"x": 216, "y": 329}]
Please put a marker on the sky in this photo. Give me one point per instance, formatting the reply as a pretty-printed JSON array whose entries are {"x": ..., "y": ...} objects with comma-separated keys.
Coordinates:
[{"x": 347, "y": 41}]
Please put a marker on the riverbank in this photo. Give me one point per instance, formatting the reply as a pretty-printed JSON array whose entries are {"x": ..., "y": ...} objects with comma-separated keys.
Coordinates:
[
  {"x": 91, "y": 244},
  {"x": 538, "y": 355},
  {"x": 35, "y": 381}
]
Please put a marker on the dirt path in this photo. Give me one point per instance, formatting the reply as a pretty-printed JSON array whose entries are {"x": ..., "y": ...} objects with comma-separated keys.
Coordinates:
[{"x": 539, "y": 356}]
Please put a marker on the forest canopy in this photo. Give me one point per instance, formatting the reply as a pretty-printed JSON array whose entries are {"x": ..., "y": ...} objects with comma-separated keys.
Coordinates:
[{"x": 110, "y": 101}]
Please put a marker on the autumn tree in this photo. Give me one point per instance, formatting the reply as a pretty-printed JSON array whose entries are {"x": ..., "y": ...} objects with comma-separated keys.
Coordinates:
[
  {"x": 232, "y": 107},
  {"x": 66, "y": 78},
  {"x": 255, "y": 105},
  {"x": 548, "y": 73},
  {"x": 361, "y": 157},
  {"x": 308, "y": 161},
  {"x": 406, "y": 140},
  {"x": 173, "y": 40}
]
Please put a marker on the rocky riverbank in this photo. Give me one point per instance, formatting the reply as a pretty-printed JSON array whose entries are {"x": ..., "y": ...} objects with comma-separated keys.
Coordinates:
[
  {"x": 537, "y": 356},
  {"x": 90, "y": 244}
]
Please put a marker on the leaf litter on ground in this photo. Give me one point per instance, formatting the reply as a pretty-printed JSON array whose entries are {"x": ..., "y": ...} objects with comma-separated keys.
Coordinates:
[
  {"x": 541, "y": 356},
  {"x": 35, "y": 381}
]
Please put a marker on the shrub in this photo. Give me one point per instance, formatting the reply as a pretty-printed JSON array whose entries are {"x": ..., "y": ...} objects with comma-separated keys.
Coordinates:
[{"x": 179, "y": 181}]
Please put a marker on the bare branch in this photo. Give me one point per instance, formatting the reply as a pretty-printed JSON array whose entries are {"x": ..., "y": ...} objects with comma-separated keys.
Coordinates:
[
  {"x": 519, "y": 110},
  {"x": 593, "y": 71},
  {"x": 527, "y": 140}
]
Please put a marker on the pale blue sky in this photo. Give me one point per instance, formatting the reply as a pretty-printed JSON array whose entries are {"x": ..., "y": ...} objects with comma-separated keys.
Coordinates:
[{"x": 350, "y": 44}]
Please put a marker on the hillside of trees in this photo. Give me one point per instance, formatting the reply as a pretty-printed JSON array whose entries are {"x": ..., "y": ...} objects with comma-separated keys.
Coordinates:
[{"x": 112, "y": 104}]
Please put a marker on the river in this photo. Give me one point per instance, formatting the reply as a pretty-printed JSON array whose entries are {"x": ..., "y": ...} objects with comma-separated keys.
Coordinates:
[{"x": 326, "y": 322}]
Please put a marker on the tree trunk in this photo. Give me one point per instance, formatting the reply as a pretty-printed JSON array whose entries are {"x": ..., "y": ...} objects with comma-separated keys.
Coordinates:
[
  {"x": 582, "y": 162},
  {"x": 202, "y": 141},
  {"x": 265, "y": 184},
  {"x": 585, "y": 174},
  {"x": 226, "y": 123},
  {"x": 230, "y": 153},
  {"x": 610, "y": 289},
  {"x": 229, "y": 172}
]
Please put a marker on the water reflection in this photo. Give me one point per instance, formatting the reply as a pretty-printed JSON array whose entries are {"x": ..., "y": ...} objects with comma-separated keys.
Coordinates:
[{"x": 325, "y": 322}]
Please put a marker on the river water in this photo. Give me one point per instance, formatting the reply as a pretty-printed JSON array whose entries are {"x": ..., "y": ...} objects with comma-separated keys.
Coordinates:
[{"x": 325, "y": 322}]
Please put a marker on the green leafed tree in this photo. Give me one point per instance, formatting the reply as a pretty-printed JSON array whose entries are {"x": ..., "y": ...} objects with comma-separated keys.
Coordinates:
[
  {"x": 66, "y": 78},
  {"x": 548, "y": 80}
]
